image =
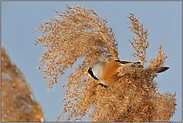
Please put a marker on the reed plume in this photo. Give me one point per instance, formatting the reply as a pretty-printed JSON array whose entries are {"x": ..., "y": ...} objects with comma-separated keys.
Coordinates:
[
  {"x": 81, "y": 35},
  {"x": 17, "y": 99}
]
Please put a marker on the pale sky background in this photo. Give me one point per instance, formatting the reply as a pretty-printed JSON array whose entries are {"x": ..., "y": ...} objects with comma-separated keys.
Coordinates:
[{"x": 162, "y": 19}]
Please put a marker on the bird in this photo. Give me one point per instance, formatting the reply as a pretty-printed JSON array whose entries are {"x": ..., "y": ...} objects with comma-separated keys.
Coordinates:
[{"x": 107, "y": 72}]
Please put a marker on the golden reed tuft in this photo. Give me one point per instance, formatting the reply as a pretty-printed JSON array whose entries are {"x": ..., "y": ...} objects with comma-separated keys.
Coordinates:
[
  {"x": 78, "y": 34},
  {"x": 17, "y": 100}
]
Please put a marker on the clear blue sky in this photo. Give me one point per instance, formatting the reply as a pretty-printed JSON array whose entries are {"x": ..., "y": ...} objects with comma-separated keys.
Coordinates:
[{"x": 162, "y": 19}]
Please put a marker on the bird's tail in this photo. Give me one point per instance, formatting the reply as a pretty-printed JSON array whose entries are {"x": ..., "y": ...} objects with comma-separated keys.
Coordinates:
[
  {"x": 138, "y": 64},
  {"x": 162, "y": 69}
]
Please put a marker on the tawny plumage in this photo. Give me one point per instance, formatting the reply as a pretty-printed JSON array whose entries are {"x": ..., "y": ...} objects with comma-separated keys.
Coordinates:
[{"x": 110, "y": 69}]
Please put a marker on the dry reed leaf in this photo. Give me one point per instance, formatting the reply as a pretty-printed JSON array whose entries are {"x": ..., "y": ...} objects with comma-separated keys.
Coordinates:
[{"x": 81, "y": 34}]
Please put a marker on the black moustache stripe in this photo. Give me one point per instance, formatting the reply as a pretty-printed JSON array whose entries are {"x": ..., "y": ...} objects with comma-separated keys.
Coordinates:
[{"x": 91, "y": 73}]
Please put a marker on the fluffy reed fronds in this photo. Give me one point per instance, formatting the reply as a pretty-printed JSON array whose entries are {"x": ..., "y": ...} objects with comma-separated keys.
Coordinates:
[
  {"x": 140, "y": 42},
  {"x": 80, "y": 33},
  {"x": 17, "y": 100}
]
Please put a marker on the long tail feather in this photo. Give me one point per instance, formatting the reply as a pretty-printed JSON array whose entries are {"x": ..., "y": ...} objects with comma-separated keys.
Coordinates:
[{"x": 162, "y": 69}]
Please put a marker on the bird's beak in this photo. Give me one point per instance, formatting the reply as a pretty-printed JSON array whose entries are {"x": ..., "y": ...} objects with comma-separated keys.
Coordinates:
[{"x": 86, "y": 73}]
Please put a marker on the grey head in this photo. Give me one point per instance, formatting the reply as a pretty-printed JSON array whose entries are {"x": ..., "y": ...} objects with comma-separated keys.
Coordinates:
[{"x": 95, "y": 70}]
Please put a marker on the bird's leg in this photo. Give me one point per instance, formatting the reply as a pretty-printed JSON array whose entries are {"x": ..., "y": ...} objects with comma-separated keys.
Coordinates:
[{"x": 105, "y": 86}]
